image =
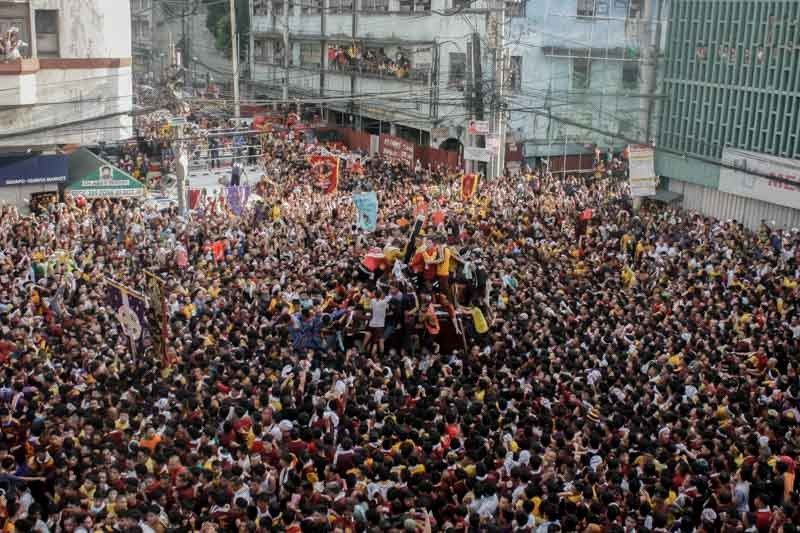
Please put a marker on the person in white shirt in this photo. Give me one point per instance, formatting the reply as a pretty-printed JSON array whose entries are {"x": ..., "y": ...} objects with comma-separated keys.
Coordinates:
[{"x": 379, "y": 306}]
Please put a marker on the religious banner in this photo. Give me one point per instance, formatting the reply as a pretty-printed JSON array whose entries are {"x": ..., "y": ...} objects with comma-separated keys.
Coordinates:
[
  {"x": 218, "y": 249},
  {"x": 237, "y": 198},
  {"x": 325, "y": 171},
  {"x": 157, "y": 316},
  {"x": 397, "y": 149},
  {"x": 194, "y": 198},
  {"x": 128, "y": 306},
  {"x": 469, "y": 185},
  {"x": 366, "y": 210}
]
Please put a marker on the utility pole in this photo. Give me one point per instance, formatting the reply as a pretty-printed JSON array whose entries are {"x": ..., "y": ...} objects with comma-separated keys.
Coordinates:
[
  {"x": 498, "y": 122},
  {"x": 648, "y": 65},
  {"x": 235, "y": 56},
  {"x": 182, "y": 174},
  {"x": 251, "y": 46},
  {"x": 286, "y": 53}
]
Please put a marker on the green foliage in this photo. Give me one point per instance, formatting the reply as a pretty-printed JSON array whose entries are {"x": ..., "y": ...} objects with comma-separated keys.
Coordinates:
[{"x": 218, "y": 22}]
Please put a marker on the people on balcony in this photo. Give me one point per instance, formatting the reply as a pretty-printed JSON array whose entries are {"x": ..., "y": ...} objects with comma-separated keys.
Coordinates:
[
  {"x": 11, "y": 44},
  {"x": 373, "y": 61}
]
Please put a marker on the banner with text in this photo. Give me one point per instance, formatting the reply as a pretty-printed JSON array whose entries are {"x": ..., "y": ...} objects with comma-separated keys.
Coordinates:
[
  {"x": 642, "y": 176},
  {"x": 477, "y": 154},
  {"x": 742, "y": 182},
  {"x": 397, "y": 149}
]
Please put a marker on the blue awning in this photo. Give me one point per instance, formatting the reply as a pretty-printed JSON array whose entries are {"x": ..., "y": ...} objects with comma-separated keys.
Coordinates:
[{"x": 33, "y": 170}]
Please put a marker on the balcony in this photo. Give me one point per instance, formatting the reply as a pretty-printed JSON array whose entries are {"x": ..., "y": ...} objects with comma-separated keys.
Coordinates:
[{"x": 18, "y": 82}]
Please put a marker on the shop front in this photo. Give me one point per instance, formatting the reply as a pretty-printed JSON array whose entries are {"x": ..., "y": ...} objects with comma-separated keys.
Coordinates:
[{"x": 31, "y": 181}]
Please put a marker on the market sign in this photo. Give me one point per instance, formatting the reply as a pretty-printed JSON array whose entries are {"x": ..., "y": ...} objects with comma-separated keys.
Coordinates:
[
  {"x": 33, "y": 170},
  {"x": 742, "y": 180}
]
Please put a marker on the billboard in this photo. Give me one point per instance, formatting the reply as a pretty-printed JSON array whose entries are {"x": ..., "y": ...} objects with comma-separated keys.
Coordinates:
[
  {"x": 742, "y": 182},
  {"x": 642, "y": 174},
  {"x": 478, "y": 127}
]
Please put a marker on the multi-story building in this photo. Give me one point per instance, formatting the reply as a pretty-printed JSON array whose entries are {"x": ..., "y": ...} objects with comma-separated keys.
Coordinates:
[
  {"x": 142, "y": 38},
  {"x": 730, "y": 120},
  {"x": 587, "y": 76},
  {"x": 580, "y": 58},
  {"x": 71, "y": 82},
  {"x": 393, "y": 66}
]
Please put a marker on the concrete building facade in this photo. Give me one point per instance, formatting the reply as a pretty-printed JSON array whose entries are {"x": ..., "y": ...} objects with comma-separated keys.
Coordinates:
[
  {"x": 338, "y": 49},
  {"x": 590, "y": 61},
  {"x": 730, "y": 120},
  {"x": 73, "y": 82}
]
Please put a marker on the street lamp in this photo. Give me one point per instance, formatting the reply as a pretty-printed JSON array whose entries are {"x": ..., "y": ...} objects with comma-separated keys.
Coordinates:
[
  {"x": 162, "y": 55},
  {"x": 194, "y": 71}
]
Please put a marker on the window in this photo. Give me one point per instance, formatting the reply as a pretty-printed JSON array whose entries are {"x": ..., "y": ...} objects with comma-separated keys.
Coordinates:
[
  {"x": 310, "y": 7},
  {"x": 635, "y": 9},
  {"x": 419, "y": 6},
  {"x": 581, "y": 73},
  {"x": 515, "y": 8},
  {"x": 514, "y": 81},
  {"x": 310, "y": 54},
  {"x": 277, "y": 8},
  {"x": 261, "y": 48},
  {"x": 585, "y": 8},
  {"x": 341, "y": 6},
  {"x": 375, "y": 5},
  {"x": 626, "y": 126},
  {"x": 460, "y": 5},
  {"x": 47, "y": 32},
  {"x": 16, "y": 16},
  {"x": 458, "y": 70},
  {"x": 260, "y": 8},
  {"x": 630, "y": 74}
]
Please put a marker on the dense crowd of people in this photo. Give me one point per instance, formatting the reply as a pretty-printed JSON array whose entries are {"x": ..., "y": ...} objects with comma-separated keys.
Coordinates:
[{"x": 539, "y": 357}]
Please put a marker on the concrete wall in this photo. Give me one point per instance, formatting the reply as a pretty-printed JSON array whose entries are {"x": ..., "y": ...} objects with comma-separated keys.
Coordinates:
[
  {"x": 604, "y": 105},
  {"x": 92, "y": 28},
  {"x": 725, "y": 206},
  {"x": 91, "y": 78}
]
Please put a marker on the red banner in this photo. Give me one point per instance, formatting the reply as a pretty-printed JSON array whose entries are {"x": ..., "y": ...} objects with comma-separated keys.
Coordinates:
[
  {"x": 218, "y": 249},
  {"x": 469, "y": 184},
  {"x": 397, "y": 149},
  {"x": 325, "y": 171},
  {"x": 194, "y": 198}
]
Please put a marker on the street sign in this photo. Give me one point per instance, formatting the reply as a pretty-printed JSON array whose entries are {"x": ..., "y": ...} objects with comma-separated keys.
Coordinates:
[
  {"x": 477, "y": 154},
  {"x": 478, "y": 127},
  {"x": 493, "y": 143}
]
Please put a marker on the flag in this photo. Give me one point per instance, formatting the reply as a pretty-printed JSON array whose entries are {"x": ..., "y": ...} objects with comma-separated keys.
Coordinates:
[
  {"x": 157, "y": 314},
  {"x": 237, "y": 198},
  {"x": 374, "y": 259},
  {"x": 218, "y": 249},
  {"x": 128, "y": 306},
  {"x": 469, "y": 185},
  {"x": 194, "y": 198},
  {"x": 366, "y": 210},
  {"x": 325, "y": 171},
  {"x": 356, "y": 167}
]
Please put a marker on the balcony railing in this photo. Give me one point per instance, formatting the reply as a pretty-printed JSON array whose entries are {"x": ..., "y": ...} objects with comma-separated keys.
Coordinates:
[{"x": 381, "y": 71}]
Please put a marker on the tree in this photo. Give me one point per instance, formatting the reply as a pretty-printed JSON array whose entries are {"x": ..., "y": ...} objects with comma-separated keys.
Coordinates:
[{"x": 218, "y": 22}]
